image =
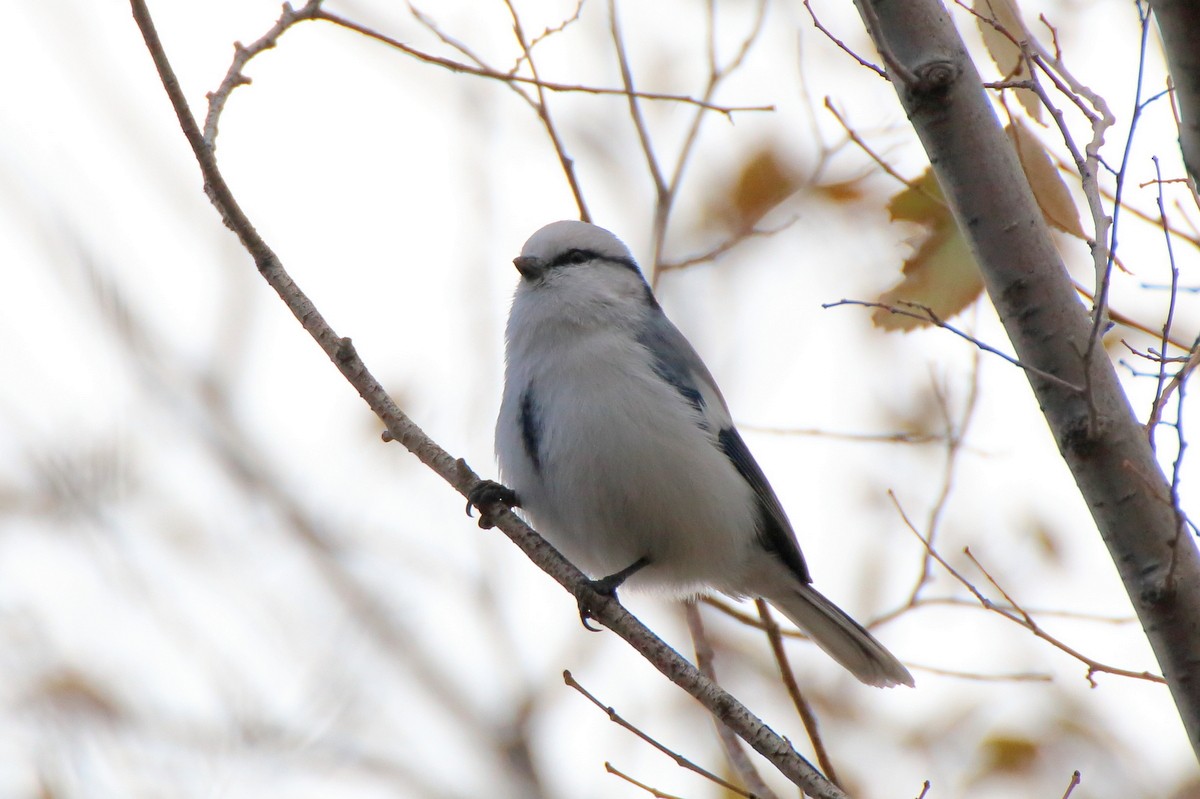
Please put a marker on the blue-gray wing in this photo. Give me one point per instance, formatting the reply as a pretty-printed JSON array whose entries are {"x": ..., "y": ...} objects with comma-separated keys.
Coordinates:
[
  {"x": 676, "y": 362},
  {"x": 774, "y": 530}
]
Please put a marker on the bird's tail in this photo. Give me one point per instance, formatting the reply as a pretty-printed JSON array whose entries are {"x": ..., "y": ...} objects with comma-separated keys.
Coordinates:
[{"x": 842, "y": 638}]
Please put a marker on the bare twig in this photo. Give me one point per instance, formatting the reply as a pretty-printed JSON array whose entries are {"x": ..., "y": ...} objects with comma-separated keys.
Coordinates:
[
  {"x": 605, "y": 609},
  {"x": 1157, "y": 406},
  {"x": 805, "y": 711},
  {"x": 842, "y": 45},
  {"x": 657, "y": 794},
  {"x": 924, "y": 313},
  {"x": 1021, "y": 676},
  {"x": 679, "y": 759},
  {"x": 1015, "y": 613},
  {"x": 720, "y": 249},
  {"x": 242, "y": 55},
  {"x": 955, "y": 432},
  {"x": 543, "y": 110},
  {"x": 878, "y": 159},
  {"x": 1072, "y": 785},
  {"x": 1104, "y": 276},
  {"x": 662, "y": 203},
  {"x": 867, "y": 438},
  {"x": 482, "y": 72},
  {"x": 1130, "y": 322},
  {"x": 734, "y": 752}
]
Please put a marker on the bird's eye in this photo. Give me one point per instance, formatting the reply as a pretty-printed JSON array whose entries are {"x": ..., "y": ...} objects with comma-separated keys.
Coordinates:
[{"x": 577, "y": 257}]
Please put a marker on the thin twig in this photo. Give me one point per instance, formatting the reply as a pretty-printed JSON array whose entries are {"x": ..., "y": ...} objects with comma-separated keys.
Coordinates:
[
  {"x": 926, "y": 314},
  {"x": 954, "y": 437},
  {"x": 679, "y": 759},
  {"x": 635, "y": 113},
  {"x": 242, "y": 55},
  {"x": 657, "y": 794},
  {"x": 543, "y": 111},
  {"x": 1021, "y": 676},
  {"x": 734, "y": 752},
  {"x": 481, "y": 72},
  {"x": 807, "y": 717},
  {"x": 878, "y": 159},
  {"x": 1076, "y": 778},
  {"x": 878, "y": 70},
  {"x": 1157, "y": 406},
  {"x": 1104, "y": 276},
  {"x": 867, "y": 438},
  {"x": 1015, "y": 613}
]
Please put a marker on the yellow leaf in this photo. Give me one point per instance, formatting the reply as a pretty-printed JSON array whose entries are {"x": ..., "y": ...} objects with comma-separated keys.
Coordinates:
[
  {"x": 941, "y": 275},
  {"x": 1006, "y": 54},
  {"x": 766, "y": 179},
  {"x": 842, "y": 191},
  {"x": 1009, "y": 754},
  {"x": 1051, "y": 193}
]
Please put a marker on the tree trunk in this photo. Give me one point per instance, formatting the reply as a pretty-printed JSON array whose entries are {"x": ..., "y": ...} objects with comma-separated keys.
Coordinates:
[
  {"x": 1100, "y": 439},
  {"x": 1179, "y": 24}
]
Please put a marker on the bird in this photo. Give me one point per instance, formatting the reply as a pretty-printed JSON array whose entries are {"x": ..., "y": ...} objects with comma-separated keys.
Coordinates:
[{"x": 615, "y": 442}]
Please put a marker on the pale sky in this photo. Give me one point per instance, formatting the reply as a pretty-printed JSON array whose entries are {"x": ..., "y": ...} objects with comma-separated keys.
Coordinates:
[{"x": 170, "y": 438}]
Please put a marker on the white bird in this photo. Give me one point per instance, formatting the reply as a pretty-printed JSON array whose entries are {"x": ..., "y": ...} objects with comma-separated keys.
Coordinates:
[{"x": 621, "y": 450}]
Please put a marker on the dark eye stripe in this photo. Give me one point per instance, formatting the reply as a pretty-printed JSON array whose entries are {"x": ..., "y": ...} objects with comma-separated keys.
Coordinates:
[
  {"x": 578, "y": 256},
  {"x": 573, "y": 257}
]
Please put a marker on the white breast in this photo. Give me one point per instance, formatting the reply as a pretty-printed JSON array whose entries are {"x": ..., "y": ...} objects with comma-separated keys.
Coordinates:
[{"x": 625, "y": 470}]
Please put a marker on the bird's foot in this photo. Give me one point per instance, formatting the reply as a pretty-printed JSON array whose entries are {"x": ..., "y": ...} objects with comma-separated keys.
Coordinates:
[
  {"x": 607, "y": 586},
  {"x": 485, "y": 496}
]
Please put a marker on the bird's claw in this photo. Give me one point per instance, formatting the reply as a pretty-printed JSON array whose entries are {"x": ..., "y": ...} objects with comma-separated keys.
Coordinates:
[
  {"x": 485, "y": 496},
  {"x": 607, "y": 586}
]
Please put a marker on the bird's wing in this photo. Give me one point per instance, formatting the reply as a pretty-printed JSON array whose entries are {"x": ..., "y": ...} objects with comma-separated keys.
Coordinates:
[{"x": 676, "y": 362}]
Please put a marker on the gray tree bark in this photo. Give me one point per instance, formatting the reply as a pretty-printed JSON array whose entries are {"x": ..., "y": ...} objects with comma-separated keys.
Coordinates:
[
  {"x": 1179, "y": 24},
  {"x": 1100, "y": 439}
]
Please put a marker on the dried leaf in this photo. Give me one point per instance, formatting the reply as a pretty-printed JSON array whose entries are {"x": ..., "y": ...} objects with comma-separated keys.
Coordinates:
[
  {"x": 1009, "y": 754},
  {"x": 74, "y": 693},
  {"x": 1051, "y": 193},
  {"x": 1006, "y": 54},
  {"x": 941, "y": 274},
  {"x": 843, "y": 191},
  {"x": 766, "y": 179}
]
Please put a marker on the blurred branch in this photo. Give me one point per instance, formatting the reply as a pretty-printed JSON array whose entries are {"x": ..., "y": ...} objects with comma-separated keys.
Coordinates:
[
  {"x": 340, "y": 351},
  {"x": 657, "y": 794},
  {"x": 734, "y": 752},
  {"x": 954, "y": 435},
  {"x": 1014, "y": 612},
  {"x": 805, "y": 711},
  {"x": 679, "y": 759},
  {"x": 1179, "y": 25}
]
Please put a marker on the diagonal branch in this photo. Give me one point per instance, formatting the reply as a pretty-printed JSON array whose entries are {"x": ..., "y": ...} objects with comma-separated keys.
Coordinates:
[
  {"x": 1097, "y": 433},
  {"x": 341, "y": 352}
]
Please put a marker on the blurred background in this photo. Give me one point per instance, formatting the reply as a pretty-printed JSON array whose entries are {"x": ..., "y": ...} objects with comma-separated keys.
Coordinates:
[{"x": 217, "y": 581}]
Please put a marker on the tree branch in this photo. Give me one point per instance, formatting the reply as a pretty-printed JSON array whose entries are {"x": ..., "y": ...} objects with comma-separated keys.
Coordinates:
[
  {"x": 1097, "y": 433},
  {"x": 1179, "y": 25},
  {"x": 340, "y": 351}
]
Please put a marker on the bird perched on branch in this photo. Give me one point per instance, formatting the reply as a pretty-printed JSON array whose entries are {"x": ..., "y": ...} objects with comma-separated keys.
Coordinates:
[{"x": 618, "y": 446}]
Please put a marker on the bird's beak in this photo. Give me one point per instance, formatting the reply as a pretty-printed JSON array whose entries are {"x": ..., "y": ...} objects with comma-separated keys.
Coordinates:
[{"x": 530, "y": 267}]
